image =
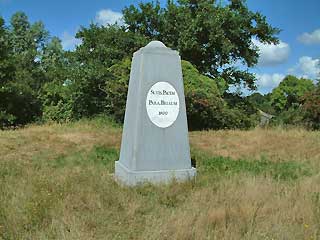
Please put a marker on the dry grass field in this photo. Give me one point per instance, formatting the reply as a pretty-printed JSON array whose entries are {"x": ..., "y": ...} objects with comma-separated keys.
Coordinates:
[{"x": 56, "y": 182}]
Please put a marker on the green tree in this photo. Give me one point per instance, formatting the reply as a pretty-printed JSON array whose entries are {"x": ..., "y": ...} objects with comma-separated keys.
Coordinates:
[
  {"x": 54, "y": 61},
  {"x": 311, "y": 107},
  {"x": 57, "y": 92},
  {"x": 28, "y": 41},
  {"x": 107, "y": 45},
  {"x": 287, "y": 100},
  {"x": 289, "y": 93},
  {"x": 212, "y": 36},
  {"x": 102, "y": 47},
  {"x": 21, "y": 83},
  {"x": 261, "y": 102},
  {"x": 5, "y": 50},
  {"x": 6, "y": 74}
]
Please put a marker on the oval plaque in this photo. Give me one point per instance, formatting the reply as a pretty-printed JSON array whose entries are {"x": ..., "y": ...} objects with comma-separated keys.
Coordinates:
[{"x": 162, "y": 104}]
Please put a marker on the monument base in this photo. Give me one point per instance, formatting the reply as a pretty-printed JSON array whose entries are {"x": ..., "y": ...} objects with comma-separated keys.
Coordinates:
[{"x": 131, "y": 178}]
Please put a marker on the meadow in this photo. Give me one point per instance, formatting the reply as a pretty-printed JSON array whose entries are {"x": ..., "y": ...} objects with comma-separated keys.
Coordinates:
[{"x": 56, "y": 182}]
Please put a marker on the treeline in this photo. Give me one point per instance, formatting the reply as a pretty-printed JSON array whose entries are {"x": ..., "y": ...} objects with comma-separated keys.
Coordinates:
[
  {"x": 39, "y": 81},
  {"x": 296, "y": 101}
]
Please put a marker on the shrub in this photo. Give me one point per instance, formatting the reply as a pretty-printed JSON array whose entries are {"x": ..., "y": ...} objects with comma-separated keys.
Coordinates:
[
  {"x": 293, "y": 116},
  {"x": 289, "y": 92},
  {"x": 19, "y": 104},
  {"x": 311, "y": 107},
  {"x": 57, "y": 102},
  {"x": 205, "y": 107},
  {"x": 116, "y": 88}
]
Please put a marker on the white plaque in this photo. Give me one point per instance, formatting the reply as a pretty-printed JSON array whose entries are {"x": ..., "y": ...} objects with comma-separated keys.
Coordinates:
[{"x": 162, "y": 104}]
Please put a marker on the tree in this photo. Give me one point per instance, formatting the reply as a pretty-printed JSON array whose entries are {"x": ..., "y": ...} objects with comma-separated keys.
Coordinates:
[
  {"x": 5, "y": 61},
  {"x": 21, "y": 75},
  {"x": 311, "y": 106},
  {"x": 102, "y": 47},
  {"x": 261, "y": 102},
  {"x": 6, "y": 74},
  {"x": 211, "y": 36},
  {"x": 54, "y": 61},
  {"x": 116, "y": 89},
  {"x": 287, "y": 100},
  {"x": 289, "y": 93},
  {"x": 28, "y": 41},
  {"x": 107, "y": 45},
  {"x": 56, "y": 93}
]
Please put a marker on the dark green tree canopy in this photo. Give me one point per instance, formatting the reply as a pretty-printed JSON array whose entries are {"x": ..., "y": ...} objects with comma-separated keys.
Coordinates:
[
  {"x": 107, "y": 45},
  {"x": 21, "y": 75},
  {"x": 6, "y": 66},
  {"x": 41, "y": 81},
  {"x": 211, "y": 36}
]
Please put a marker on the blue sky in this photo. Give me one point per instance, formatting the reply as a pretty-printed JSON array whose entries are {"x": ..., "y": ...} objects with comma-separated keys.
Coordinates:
[{"x": 298, "y": 52}]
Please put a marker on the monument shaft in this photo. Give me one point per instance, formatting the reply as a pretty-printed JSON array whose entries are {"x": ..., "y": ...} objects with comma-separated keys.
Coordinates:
[{"x": 155, "y": 144}]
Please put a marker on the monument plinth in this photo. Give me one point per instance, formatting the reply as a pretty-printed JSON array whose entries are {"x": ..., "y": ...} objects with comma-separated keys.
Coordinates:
[{"x": 155, "y": 145}]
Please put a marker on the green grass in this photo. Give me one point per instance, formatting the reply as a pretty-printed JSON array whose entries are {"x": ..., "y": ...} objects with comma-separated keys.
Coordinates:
[
  {"x": 225, "y": 166},
  {"x": 99, "y": 156},
  {"x": 59, "y": 184}
]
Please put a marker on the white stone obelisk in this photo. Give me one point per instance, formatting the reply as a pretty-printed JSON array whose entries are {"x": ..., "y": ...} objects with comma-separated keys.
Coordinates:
[{"x": 155, "y": 145}]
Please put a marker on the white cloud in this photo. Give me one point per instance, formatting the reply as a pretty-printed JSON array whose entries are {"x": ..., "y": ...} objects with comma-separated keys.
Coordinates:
[
  {"x": 310, "y": 38},
  {"x": 307, "y": 67},
  {"x": 271, "y": 54},
  {"x": 266, "y": 82},
  {"x": 69, "y": 42},
  {"x": 107, "y": 16}
]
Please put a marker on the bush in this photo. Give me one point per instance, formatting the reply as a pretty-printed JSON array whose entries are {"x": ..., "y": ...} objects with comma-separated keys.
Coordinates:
[
  {"x": 80, "y": 96},
  {"x": 311, "y": 107},
  {"x": 6, "y": 119},
  {"x": 205, "y": 107},
  {"x": 57, "y": 102},
  {"x": 293, "y": 116},
  {"x": 19, "y": 105},
  {"x": 289, "y": 92},
  {"x": 116, "y": 88}
]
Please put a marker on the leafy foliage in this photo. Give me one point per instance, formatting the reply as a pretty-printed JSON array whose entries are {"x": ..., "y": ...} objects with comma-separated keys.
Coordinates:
[
  {"x": 287, "y": 100},
  {"x": 39, "y": 80},
  {"x": 261, "y": 102},
  {"x": 107, "y": 45},
  {"x": 116, "y": 89},
  {"x": 206, "y": 109},
  {"x": 214, "y": 38},
  {"x": 20, "y": 104},
  {"x": 203, "y": 99},
  {"x": 311, "y": 107},
  {"x": 290, "y": 92},
  {"x": 21, "y": 76},
  {"x": 57, "y": 102}
]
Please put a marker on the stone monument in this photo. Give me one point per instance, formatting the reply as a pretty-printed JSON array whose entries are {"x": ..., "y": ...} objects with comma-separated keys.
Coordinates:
[{"x": 155, "y": 145}]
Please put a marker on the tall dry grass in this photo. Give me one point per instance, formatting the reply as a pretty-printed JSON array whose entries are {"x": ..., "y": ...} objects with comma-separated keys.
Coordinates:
[
  {"x": 56, "y": 183},
  {"x": 275, "y": 144}
]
